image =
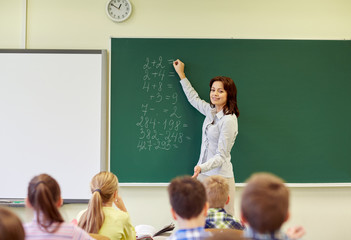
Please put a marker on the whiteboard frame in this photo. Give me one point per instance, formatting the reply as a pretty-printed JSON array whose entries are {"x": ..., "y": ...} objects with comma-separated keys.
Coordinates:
[{"x": 104, "y": 101}]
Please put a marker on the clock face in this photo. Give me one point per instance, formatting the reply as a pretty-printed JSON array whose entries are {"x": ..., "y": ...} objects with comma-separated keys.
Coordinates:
[{"x": 119, "y": 10}]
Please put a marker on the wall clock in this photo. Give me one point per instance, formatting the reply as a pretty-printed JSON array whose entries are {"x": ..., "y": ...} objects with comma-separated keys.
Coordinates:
[{"x": 118, "y": 10}]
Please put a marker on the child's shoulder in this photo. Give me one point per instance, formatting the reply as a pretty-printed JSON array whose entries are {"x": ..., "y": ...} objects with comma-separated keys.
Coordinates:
[
  {"x": 115, "y": 212},
  {"x": 278, "y": 235},
  {"x": 215, "y": 210}
]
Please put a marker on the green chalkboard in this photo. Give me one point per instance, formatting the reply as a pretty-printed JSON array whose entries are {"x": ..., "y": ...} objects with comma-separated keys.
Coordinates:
[{"x": 294, "y": 98}]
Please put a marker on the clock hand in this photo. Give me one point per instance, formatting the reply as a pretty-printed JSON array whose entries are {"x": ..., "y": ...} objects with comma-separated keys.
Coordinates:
[
  {"x": 115, "y": 6},
  {"x": 120, "y": 6}
]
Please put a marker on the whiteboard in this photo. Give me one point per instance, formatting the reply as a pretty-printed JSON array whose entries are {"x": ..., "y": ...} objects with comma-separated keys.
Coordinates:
[{"x": 53, "y": 119}]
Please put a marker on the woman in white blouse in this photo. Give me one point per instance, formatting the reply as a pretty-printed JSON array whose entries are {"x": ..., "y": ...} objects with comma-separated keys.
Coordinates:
[{"x": 219, "y": 129}]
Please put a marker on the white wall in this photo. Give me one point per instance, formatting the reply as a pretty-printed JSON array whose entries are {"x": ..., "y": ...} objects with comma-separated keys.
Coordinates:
[{"x": 83, "y": 24}]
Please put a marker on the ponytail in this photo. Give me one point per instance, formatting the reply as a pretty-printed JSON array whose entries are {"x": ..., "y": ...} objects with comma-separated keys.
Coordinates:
[
  {"x": 43, "y": 194},
  {"x": 93, "y": 218},
  {"x": 103, "y": 186}
]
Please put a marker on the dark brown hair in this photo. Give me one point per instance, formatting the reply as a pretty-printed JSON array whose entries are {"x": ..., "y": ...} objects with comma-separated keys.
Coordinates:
[
  {"x": 10, "y": 226},
  {"x": 187, "y": 196},
  {"x": 229, "y": 86},
  {"x": 265, "y": 202},
  {"x": 43, "y": 194},
  {"x": 102, "y": 186}
]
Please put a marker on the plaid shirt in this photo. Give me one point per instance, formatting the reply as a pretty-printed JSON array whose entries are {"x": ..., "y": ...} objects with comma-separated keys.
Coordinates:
[
  {"x": 278, "y": 235},
  {"x": 219, "y": 218},
  {"x": 190, "y": 234}
]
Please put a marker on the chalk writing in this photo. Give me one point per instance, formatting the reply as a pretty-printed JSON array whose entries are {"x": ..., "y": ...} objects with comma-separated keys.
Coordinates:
[{"x": 160, "y": 125}]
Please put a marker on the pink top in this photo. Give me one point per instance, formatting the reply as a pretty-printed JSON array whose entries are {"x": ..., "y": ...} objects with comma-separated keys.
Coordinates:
[{"x": 64, "y": 232}]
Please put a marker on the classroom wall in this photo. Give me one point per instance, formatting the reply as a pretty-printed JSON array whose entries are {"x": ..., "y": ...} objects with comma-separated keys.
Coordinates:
[
  {"x": 83, "y": 24},
  {"x": 11, "y": 23}
]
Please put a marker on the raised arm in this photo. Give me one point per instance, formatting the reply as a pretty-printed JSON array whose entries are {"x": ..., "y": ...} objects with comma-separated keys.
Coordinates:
[
  {"x": 192, "y": 96},
  {"x": 179, "y": 68},
  {"x": 120, "y": 204}
]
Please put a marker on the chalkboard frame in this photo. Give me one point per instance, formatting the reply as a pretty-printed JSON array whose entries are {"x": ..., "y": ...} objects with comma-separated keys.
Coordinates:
[{"x": 292, "y": 184}]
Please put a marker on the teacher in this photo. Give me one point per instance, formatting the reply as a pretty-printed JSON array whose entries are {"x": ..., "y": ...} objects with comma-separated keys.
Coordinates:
[{"x": 219, "y": 129}]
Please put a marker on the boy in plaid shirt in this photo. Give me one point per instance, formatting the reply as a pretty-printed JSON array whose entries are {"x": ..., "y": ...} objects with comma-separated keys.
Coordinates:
[{"x": 217, "y": 190}]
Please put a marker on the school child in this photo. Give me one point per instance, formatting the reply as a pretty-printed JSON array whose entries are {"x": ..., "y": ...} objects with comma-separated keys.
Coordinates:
[
  {"x": 217, "y": 190},
  {"x": 265, "y": 207},
  {"x": 101, "y": 217},
  {"x": 44, "y": 196},
  {"x": 189, "y": 208},
  {"x": 10, "y": 225}
]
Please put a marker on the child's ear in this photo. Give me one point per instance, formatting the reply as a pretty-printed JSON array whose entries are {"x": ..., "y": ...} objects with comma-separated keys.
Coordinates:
[
  {"x": 228, "y": 199},
  {"x": 28, "y": 203},
  {"x": 174, "y": 215},
  {"x": 243, "y": 219},
  {"x": 287, "y": 216},
  {"x": 59, "y": 202},
  {"x": 206, "y": 206}
]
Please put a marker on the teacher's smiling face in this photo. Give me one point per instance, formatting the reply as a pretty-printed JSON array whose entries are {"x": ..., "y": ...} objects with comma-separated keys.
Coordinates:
[{"x": 218, "y": 95}]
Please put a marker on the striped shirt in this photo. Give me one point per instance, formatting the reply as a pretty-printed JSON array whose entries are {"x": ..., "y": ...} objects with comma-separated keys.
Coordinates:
[{"x": 64, "y": 232}]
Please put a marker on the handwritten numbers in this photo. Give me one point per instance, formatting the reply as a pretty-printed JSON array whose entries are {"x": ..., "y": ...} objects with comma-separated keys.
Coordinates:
[
  {"x": 175, "y": 98},
  {"x": 146, "y": 86},
  {"x": 160, "y": 124},
  {"x": 144, "y": 108},
  {"x": 160, "y": 65}
]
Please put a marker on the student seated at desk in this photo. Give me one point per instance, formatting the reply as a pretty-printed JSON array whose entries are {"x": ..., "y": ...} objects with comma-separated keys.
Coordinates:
[
  {"x": 10, "y": 225},
  {"x": 44, "y": 196},
  {"x": 101, "y": 217},
  {"x": 264, "y": 208},
  {"x": 189, "y": 208},
  {"x": 217, "y": 190}
]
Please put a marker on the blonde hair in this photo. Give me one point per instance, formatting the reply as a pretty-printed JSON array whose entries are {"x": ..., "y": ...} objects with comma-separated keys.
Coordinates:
[
  {"x": 103, "y": 187},
  {"x": 217, "y": 190},
  {"x": 265, "y": 202}
]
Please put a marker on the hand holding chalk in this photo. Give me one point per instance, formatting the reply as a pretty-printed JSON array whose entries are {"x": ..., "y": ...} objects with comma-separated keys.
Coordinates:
[{"x": 179, "y": 68}]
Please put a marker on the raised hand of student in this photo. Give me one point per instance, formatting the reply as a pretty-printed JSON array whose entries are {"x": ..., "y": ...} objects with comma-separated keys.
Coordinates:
[
  {"x": 296, "y": 232},
  {"x": 179, "y": 68},
  {"x": 120, "y": 204}
]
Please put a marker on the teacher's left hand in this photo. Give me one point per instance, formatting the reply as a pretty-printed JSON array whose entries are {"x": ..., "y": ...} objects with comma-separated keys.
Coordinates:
[{"x": 197, "y": 171}]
